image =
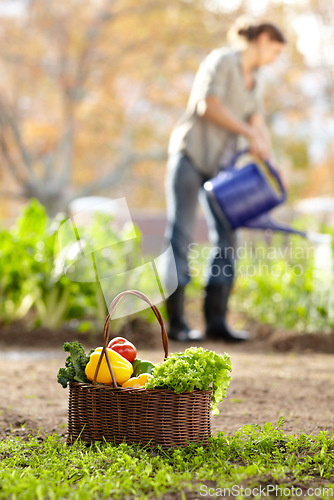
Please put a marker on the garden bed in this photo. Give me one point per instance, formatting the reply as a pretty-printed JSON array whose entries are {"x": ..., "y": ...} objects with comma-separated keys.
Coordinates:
[
  {"x": 264, "y": 387},
  {"x": 267, "y": 383},
  {"x": 264, "y": 337}
]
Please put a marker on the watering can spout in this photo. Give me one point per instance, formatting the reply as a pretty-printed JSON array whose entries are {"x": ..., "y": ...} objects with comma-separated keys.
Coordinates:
[{"x": 264, "y": 221}]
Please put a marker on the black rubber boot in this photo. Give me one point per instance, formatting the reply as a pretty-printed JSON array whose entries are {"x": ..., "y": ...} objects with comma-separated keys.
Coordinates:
[
  {"x": 178, "y": 328},
  {"x": 215, "y": 309}
]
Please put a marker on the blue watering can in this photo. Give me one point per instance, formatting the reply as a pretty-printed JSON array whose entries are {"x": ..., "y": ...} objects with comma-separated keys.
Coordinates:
[{"x": 246, "y": 191}]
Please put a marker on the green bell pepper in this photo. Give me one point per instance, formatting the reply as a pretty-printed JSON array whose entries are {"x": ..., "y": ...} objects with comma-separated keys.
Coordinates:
[{"x": 142, "y": 366}]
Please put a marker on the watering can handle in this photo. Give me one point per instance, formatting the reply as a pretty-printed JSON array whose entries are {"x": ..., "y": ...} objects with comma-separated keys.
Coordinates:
[
  {"x": 274, "y": 171},
  {"x": 237, "y": 156}
]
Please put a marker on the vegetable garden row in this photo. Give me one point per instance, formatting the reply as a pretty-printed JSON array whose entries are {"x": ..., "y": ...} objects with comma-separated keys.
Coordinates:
[{"x": 33, "y": 285}]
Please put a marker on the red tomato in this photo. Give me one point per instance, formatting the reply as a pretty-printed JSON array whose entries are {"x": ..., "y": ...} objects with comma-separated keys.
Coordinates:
[
  {"x": 116, "y": 340},
  {"x": 124, "y": 348}
]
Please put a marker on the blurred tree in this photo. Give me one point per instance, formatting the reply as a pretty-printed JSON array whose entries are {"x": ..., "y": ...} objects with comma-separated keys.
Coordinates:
[
  {"x": 85, "y": 91},
  {"x": 91, "y": 90}
]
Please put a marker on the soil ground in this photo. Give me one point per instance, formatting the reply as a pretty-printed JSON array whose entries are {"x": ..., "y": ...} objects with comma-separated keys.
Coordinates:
[
  {"x": 275, "y": 374},
  {"x": 264, "y": 387}
]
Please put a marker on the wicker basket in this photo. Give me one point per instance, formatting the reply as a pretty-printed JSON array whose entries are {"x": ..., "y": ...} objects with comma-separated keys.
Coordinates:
[{"x": 155, "y": 417}]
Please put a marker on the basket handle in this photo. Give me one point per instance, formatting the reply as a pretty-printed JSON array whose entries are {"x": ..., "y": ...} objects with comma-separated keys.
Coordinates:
[{"x": 111, "y": 310}]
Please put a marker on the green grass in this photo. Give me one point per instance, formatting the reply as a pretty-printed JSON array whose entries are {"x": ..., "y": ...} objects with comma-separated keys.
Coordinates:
[{"x": 253, "y": 457}]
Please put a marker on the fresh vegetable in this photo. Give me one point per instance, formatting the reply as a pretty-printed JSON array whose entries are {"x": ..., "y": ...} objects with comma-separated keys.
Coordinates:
[
  {"x": 121, "y": 367},
  {"x": 195, "y": 368},
  {"x": 137, "y": 382},
  {"x": 75, "y": 364},
  {"x": 124, "y": 348},
  {"x": 142, "y": 366}
]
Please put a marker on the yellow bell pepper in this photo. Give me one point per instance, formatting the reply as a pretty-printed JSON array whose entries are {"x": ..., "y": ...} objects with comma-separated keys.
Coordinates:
[
  {"x": 121, "y": 367},
  {"x": 136, "y": 382}
]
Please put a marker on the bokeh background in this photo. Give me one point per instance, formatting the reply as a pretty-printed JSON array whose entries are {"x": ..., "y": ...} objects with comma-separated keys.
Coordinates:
[
  {"x": 89, "y": 93},
  {"x": 91, "y": 90}
]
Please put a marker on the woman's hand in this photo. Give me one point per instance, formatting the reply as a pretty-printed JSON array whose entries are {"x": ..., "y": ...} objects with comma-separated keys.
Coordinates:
[
  {"x": 259, "y": 137},
  {"x": 257, "y": 143},
  {"x": 260, "y": 143}
]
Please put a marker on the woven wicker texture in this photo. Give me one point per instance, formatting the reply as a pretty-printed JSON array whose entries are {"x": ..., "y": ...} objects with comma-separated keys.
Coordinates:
[{"x": 99, "y": 412}]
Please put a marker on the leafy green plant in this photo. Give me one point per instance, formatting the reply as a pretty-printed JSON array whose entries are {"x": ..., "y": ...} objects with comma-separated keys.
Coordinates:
[
  {"x": 24, "y": 256},
  {"x": 75, "y": 364},
  {"x": 283, "y": 290},
  {"x": 32, "y": 269},
  {"x": 30, "y": 281},
  {"x": 195, "y": 368},
  {"x": 275, "y": 283}
]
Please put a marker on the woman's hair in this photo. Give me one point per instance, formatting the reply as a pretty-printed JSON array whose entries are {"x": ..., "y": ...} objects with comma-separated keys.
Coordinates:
[{"x": 253, "y": 31}]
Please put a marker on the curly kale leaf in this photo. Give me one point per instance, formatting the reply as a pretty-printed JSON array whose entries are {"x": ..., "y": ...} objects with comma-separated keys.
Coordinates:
[
  {"x": 195, "y": 368},
  {"x": 65, "y": 376},
  {"x": 75, "y": 364}
]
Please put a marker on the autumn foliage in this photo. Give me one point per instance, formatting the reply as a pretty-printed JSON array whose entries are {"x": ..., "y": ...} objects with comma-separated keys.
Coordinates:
[{"x": 89, "y": 92}]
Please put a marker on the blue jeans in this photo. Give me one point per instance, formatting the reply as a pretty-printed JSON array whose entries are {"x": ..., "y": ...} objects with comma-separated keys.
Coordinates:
[{"x": 184, "y": 186}]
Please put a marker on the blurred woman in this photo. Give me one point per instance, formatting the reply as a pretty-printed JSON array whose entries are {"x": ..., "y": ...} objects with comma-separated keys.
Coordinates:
[{"x": 224, "y": 103}]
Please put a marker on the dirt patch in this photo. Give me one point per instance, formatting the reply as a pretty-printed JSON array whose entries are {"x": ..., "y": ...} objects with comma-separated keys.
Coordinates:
[
  {"x": 263, "y": 337},
  {"x": 300, "y": 342},
  {"x": 275, "y": 373},
  {"x": 264, "y": 387},
  {"x": 138, "y": 331}
]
